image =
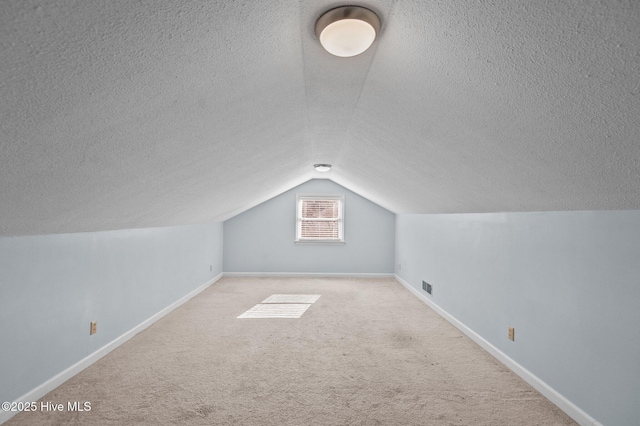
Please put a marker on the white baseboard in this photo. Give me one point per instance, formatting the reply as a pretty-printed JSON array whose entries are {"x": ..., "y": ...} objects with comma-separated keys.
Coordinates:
[
  {"x": 551, "y": 394},
  {"x": 308, "y": 274},
  {"x": 65, "y": 375}
]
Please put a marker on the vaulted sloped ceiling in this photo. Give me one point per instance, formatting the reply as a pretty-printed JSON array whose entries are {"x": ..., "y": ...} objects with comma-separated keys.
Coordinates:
[{"x": 126, "y": 114}]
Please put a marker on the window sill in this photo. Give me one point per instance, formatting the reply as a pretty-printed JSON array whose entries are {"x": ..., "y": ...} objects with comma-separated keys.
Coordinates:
[{"x": 321, "y": 242}]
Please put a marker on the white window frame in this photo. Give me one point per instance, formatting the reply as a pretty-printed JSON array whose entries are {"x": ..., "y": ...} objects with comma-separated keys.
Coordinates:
[{"x": 306, "y": 197}]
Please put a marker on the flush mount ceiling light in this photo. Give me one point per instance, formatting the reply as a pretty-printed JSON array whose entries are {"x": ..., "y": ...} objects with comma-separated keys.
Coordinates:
[
  {"x": 348, "y": 30},
  {"x": 322, "y": 167}
]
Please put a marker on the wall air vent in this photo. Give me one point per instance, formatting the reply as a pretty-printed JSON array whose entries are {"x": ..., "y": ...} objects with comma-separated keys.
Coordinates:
[{"x": 426, "y": 287}]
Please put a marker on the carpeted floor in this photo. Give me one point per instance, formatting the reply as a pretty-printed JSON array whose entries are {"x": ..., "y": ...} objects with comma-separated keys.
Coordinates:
[{"x": 367, "y": 352}]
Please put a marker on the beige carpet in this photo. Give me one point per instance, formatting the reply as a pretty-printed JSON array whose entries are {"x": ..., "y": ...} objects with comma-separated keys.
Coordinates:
[{"x": 367, "y": 352}]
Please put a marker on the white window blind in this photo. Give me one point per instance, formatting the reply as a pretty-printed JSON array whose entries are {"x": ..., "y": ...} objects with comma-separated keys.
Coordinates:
[{"x": 320, "y": 218}]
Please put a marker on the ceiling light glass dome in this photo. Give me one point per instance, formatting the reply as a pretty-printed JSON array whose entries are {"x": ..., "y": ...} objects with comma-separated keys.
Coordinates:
[{"x": 347, "y": 31}]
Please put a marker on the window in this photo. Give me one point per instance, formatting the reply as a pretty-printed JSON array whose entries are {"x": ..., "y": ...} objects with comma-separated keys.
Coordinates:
[{"x": 320, "y": 218}]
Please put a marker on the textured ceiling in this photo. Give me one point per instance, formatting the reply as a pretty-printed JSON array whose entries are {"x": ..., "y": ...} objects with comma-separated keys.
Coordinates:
[{"x": 126, "y": 114}]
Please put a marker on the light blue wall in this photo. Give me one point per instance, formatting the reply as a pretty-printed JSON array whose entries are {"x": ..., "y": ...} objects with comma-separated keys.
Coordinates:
[
  {"x": 52, "y": 287},
  {"x": 262, "y": 238},
  {"x": 568, "y": 282}
]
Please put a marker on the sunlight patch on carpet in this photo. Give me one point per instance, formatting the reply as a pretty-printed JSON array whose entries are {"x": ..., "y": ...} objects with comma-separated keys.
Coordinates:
[
  {"x": 291, "y": 298},
  {"x": 273, "y": 310}
]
